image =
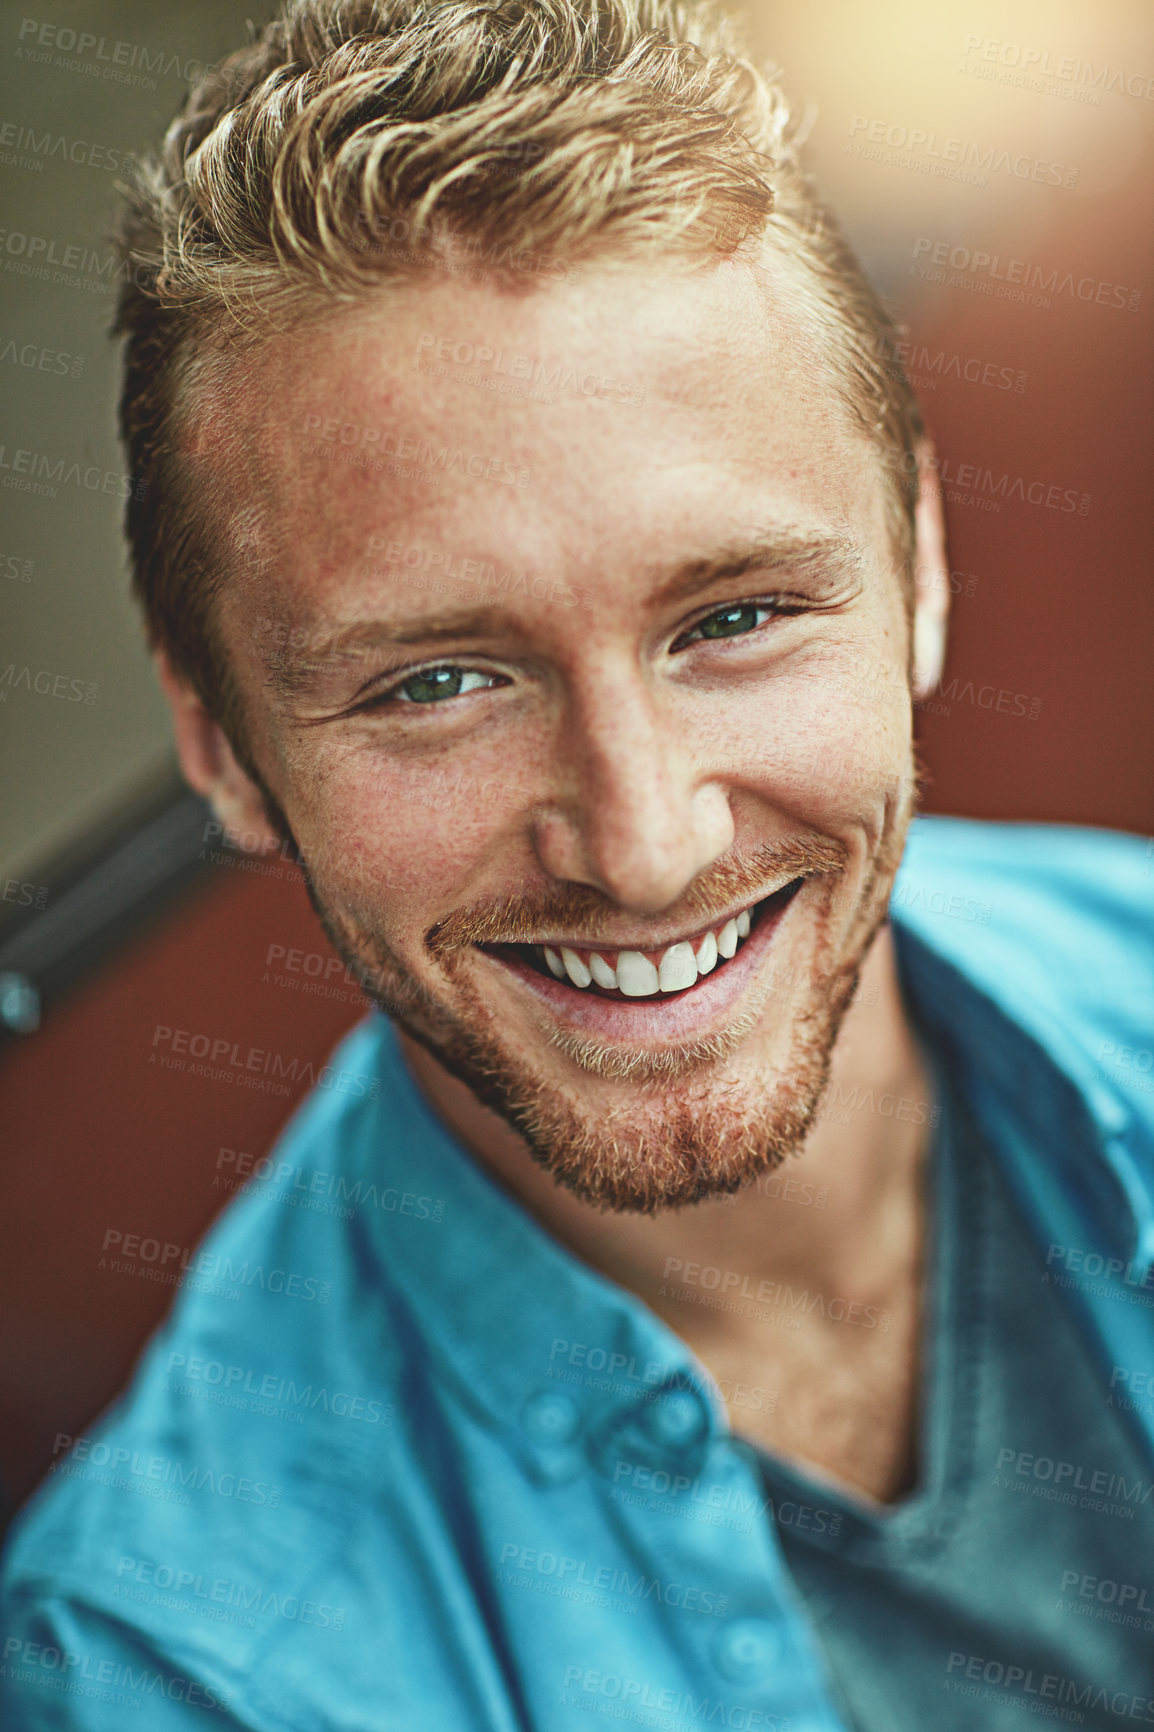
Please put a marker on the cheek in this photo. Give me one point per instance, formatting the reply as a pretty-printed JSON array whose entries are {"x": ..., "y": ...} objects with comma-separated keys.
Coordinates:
[
  {"x": 829, "y": 744},
  {"x": 383, "y": 835}
]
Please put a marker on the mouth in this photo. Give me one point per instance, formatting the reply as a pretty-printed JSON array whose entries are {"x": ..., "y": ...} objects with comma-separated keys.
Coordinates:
[{"x": 704, "y": 964}]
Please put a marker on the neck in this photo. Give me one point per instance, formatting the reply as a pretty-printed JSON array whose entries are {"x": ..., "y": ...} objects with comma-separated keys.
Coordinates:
[{"x": 842, "y": 1216}]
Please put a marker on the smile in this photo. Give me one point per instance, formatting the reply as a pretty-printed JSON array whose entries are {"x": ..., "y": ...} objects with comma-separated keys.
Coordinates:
[{"x": 651, "y": 973}]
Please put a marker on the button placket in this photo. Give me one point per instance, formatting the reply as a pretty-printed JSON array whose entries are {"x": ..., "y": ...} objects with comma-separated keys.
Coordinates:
[
  {"x": 552, "y": 1421},
  {"x": 666, "y": 1430},
  {"x": 747, "y": 1650},
  {"x": 676, "y": 1419}
]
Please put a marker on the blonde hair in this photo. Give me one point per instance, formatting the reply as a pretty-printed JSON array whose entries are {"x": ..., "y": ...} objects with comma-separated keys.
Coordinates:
[{"x": 357, "y": 140}]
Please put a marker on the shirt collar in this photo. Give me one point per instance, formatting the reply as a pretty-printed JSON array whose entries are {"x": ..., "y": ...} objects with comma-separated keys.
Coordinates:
[
  {"x": 564, "y": 1358},
  {"x": 1063, "y": 1134},
  {"x": 536, "y": 1338}
]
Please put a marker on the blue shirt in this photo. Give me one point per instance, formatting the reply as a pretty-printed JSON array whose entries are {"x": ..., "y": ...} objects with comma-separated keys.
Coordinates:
[{"x": 399, "y": 1460}]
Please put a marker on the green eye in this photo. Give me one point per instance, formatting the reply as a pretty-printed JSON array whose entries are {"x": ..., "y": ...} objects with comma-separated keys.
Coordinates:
[
  {"x": 432, "y": 684},
  {"x": 730, "y": 621}
]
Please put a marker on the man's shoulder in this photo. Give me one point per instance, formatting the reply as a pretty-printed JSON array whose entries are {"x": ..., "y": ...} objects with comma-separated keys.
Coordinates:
[
  {"x": 223, "y": 1479},
  {"x": 1052, "y": 922},
  {"x": 1053, "y": 859},
  {"x": 1050, "y": 888}
]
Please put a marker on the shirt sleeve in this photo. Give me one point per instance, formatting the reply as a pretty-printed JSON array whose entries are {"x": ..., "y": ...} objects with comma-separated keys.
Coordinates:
[{"x": 68, "y": 1667}]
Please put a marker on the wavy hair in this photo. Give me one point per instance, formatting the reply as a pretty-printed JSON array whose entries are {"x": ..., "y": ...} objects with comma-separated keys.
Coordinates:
[{"x": 354, "y": 141}]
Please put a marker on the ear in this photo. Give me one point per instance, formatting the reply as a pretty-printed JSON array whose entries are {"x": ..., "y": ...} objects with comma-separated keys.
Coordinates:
[
  {"x": 209, "y": 765},
  {"x": 931, "y": 575}
]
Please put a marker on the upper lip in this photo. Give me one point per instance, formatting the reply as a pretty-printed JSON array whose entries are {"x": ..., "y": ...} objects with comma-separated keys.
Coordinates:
[{"x": 647, "y": 943}]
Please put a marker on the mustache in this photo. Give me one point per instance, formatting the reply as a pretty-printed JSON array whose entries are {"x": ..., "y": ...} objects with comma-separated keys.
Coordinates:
[{"x": 586, "y": 915}]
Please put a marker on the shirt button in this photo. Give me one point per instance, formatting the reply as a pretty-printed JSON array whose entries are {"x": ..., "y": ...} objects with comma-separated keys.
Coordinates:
[
  {"x": 677, "y": 1417},
  {"x": 550, "y": 1417},
  {"x": 747, "y": 1649}
]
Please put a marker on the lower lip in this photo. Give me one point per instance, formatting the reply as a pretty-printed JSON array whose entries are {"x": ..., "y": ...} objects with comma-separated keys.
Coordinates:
[{"x": 684, "y": 1015}]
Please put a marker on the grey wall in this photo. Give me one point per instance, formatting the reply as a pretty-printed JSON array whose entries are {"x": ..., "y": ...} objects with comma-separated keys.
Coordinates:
[{"x": 96, "y": 728}]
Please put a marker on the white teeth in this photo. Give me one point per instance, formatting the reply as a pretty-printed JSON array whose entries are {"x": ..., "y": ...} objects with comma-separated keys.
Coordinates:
[
  {"x": 575, "y": 968},
  {"x": 707, "y": 955},
  {"x": 601, "y": 972},
  {"x": 636, "y": 975},
  {"x": 678, "y": 968}
]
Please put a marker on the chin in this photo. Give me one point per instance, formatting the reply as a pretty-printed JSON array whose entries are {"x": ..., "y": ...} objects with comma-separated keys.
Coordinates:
[
  {"x": 635, "y": 1131},
  {"x": 637, "y": 1108}
]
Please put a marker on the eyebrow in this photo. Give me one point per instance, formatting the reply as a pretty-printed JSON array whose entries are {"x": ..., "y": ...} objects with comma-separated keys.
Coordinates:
[
  {"x": 823, "y": 558},
  {"x": 288, "y": 674},
  {"x": 803, "y": 554}
]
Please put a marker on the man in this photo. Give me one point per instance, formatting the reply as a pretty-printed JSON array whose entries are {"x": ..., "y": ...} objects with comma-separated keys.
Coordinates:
[{"x": 715, "y": 1291}]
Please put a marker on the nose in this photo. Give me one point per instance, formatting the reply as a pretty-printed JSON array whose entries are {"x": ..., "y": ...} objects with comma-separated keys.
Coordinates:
[{"x": 633, "y": 814}]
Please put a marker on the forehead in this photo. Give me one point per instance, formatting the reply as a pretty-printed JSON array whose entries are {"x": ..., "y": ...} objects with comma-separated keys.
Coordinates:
[{"x": 614, "y": 419}]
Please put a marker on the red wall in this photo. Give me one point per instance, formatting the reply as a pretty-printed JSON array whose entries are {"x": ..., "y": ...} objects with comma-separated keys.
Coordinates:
[
  {"x": 1063, "y": 609},
  {"x": 105, "y": 1139}
]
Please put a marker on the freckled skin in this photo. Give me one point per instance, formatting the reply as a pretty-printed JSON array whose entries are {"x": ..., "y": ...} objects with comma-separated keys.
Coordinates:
[{"x": 597, "y": 754}]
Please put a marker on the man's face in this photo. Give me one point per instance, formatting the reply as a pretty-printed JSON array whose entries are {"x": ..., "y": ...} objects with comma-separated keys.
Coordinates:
[{"x": 598, "y": 653}]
